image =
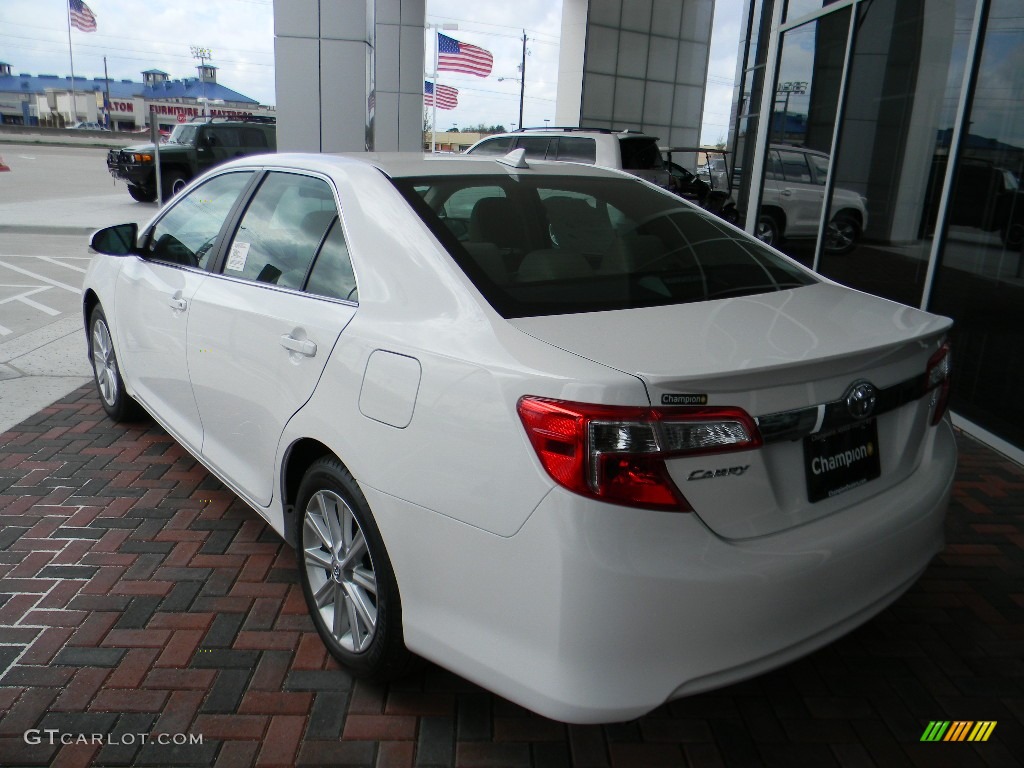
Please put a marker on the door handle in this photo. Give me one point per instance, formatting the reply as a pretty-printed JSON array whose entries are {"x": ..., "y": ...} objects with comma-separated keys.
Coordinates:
[
  {"x": 787, "y": 192},
  {"x": 179, "y": 304},
  {"x": 302, "y": 346}
]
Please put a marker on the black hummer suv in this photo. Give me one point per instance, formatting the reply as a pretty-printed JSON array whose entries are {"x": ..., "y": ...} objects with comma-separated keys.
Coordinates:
[{"x": 191, "y": 149}]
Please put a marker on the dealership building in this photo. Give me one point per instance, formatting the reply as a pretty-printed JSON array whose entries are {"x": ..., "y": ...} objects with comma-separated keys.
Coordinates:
[
  {"x": 60, "y": 101},
  {"x": 913, "y": 109},
  {"x": 916, "y": 106}
]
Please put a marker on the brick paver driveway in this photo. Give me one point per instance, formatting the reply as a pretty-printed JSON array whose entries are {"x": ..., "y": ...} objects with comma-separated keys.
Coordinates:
[{"x": 142, "y": 603}]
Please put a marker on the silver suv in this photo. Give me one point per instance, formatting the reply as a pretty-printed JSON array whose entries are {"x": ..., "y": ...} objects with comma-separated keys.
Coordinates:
[
  {"x": 630, "y": 151},
  {"x": 794, "y": 191}
]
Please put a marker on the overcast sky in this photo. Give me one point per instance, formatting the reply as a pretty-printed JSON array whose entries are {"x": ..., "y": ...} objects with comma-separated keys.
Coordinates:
[{"x": 137, "y": 35}]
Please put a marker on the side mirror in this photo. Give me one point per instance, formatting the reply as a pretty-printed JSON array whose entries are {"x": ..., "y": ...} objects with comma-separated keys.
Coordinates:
[{"x": 118, "y": 240}]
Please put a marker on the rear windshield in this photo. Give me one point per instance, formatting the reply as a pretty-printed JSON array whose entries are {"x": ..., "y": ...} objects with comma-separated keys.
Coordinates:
[{"x": 549, "y": 245}]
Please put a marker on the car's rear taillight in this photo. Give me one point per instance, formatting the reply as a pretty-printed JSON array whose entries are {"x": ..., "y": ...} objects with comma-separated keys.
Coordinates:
[
  {"x": 617, "y": 453},
  {"x": 937, "y": 376}
]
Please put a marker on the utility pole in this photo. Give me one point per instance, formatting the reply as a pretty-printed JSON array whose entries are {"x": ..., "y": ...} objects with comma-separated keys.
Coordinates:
[
  {"x": 522, "y": 81},
  {"x": 106, "y": 104}
]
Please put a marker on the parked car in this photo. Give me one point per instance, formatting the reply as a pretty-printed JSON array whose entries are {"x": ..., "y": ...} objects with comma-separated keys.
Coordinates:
[
  {"x": 710, "y": 187},
  {"x": 627, "y": 150},
  {"x": 191, "y": 149},
  {"x": 984, "y": 196},
  {"x": 90, "y": 127},
  {"x": 794, "y": 192},
  {"x": 559, "y": 431}
]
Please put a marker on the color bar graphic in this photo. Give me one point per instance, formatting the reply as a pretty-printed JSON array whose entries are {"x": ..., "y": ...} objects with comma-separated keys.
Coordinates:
[{"x": 958, "y": 730}]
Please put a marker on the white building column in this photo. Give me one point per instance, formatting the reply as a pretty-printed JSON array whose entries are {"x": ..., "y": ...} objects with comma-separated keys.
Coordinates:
[
  {"x": 638, "y": 64},
  {"x": 349, "y": 74}
]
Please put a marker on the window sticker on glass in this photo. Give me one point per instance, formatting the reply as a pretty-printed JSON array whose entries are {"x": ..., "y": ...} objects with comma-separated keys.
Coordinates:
[{"x": 237, "y": 257}]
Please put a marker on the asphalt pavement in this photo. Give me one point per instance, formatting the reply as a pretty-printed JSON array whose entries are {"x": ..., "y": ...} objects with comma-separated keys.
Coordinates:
[{"x": 51, "y": 199}]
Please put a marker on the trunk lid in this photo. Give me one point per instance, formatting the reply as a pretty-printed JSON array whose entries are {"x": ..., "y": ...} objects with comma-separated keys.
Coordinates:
[{"x": 781, "y": 355}]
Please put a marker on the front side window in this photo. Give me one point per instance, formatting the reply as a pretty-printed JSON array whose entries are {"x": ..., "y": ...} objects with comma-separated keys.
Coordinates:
[
  {"x": 221, "y": 136},
  {"x": 281, "y": 230},
  {"x": 794, "y": 166},
  {"x": 183, "y": 134},
  {"x": 560, "y": 245},
  {"x": 187, "y": 232}
]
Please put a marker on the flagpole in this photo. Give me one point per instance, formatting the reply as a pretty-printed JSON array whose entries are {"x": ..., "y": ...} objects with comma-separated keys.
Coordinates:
[
  {"x": 433, "y": 119},
  {"x": 71, "y": 56},
  {"x": 436, "y": 28}
]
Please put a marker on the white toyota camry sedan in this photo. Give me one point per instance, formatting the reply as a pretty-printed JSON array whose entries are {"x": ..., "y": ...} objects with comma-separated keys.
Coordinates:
[{"x": 546, "y": 425}]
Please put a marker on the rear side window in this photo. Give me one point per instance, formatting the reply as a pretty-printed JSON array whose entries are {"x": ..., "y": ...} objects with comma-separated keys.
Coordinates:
[
  {"x": 577, "y": 150},
  {"x": 498, "y": 146},
  {"x": 546, "y": 245},
  {"x": 332, "y": 273},
  {"x": 640, "y": 154},
  {"x": 537, "y": 147},
  {"x": 253, "y": 137},
  {"x": 820, "y": 165}
]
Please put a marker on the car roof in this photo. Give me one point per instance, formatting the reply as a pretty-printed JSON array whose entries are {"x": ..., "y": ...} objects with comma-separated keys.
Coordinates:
[{"x": 411, "y": 164}]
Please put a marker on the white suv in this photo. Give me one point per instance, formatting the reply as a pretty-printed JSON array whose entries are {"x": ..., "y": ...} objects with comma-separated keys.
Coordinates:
[
  {"x": 794, "y": 190},
  {"x": 630, "y": 151}
]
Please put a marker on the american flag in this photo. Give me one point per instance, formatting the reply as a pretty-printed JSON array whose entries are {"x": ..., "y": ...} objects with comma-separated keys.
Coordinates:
[
  {"x": 447, "y": 97},
  {"x": 81, "y": 16},
  {"x": 453, "y": 56}
]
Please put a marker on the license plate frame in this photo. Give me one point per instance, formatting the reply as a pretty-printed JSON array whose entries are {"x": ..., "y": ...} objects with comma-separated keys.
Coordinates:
[{"x": 841, "y": 459}]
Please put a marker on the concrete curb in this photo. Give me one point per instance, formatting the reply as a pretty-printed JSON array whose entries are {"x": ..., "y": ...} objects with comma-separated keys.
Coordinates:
[{"x": 42, "y": 229}]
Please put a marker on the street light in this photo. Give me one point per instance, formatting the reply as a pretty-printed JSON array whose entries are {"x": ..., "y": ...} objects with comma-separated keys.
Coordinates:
[
  {"x": 521, "y": 80},
  {"x": 201, "y": 53},
  {"x": 521, "y": 86}
]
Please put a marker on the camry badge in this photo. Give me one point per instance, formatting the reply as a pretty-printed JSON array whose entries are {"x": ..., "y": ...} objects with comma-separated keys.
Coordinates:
[{"x": 861, "y": 399}]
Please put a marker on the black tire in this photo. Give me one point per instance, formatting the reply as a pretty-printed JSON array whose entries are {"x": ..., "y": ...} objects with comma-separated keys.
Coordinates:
[
  {"x": 730, "y": 214},
  {"x": 1013, "y": 235},
  {"x": 117, "y": 403},
  {"x": 142, "y": 194},
  {"x": 768, "y": 230},
  {"x": 841, "y": 234},
  {"x": 349, "y": 585},
  {"x": 173, "y": 182}
]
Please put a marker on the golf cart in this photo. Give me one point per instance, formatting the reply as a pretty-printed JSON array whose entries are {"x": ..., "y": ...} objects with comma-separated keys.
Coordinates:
[{"x": 710, "y": 187}]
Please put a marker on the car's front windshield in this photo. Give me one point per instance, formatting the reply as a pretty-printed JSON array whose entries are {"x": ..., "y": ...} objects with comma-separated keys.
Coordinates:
[
  {"x": 183, "y": 134},
  {"x": 543, "y": 245}
]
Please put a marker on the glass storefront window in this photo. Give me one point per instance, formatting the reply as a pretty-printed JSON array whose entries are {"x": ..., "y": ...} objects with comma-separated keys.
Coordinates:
[
  {"x": 901, "y": 102},
  {"x": 797, "y": 8},
  {"x": 801, "y": 130},
  {"x": 980, "y": 279}
]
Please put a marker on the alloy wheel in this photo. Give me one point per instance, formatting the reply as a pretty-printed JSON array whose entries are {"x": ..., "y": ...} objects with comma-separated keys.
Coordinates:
[
  {"x": 104, "y": 363},
  {"x": 840, "y": 235},
  {"x": 340, "y": 571},
  {"x": 765, "y": 231}
]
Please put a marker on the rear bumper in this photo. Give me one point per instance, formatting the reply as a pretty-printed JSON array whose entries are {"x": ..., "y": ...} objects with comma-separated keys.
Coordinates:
[{"x": 594, "y": 613}]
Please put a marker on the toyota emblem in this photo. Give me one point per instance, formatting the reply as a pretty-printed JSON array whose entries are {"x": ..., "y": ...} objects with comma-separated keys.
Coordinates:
[{"x": 861, "y": 399}]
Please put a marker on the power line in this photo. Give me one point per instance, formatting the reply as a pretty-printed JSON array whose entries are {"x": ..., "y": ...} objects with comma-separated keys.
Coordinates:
[{"x": 533, "y": 34}]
